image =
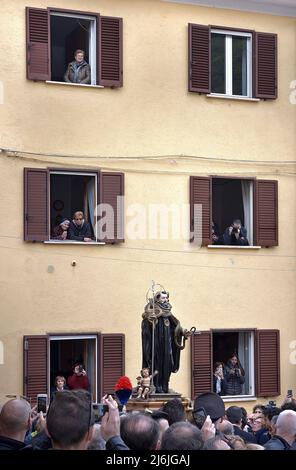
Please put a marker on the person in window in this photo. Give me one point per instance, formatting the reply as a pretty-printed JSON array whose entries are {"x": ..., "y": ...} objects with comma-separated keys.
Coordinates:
[
  {"x": 234, "y": 376},
  {"x": 59, "y": 385},
  {"x": 216, "y": 238},
  {"x": 78, "y": 71},
  {"x": 218, "y": 379},
  {"x": 60, "y": 232},
  {"x": 235, "y": 234},
  {"x": 79, "y": 379},
  {"x": 79, "y": 229}
]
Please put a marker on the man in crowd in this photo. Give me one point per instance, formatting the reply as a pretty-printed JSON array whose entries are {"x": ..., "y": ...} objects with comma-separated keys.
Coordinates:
[
  {"x": 14, "y": 423},
  {"x": 182, "y": 436},
  {"x": 140, "y": 432},
  {"x": 284, "y": 439},
  {"x": 234, "y": 415}
]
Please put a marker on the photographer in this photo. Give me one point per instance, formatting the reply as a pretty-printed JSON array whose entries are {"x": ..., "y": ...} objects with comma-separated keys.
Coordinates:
[
  {"x": 234, "y": 376},
  {"x": 79, "y": 379},
  {"x": 235, "y": 234}
]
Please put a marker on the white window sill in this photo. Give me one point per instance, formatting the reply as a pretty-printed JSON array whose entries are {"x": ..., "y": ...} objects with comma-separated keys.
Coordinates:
[
  {"x": 232, "y": 97},
  {"x": 238, "y": 398},
  {"x": 74, "y": 84},
  {"x": 235, "y": 247},
  {"x": 71, "y": 242}
]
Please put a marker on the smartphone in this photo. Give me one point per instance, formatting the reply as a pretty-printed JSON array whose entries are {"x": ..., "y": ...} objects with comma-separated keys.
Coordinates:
[
  {"x": 290, "y": 393},
  {"x": 200, "y": 416},
  {"x": 99, "y": 410},
  {"x": 41, "y": 403}
]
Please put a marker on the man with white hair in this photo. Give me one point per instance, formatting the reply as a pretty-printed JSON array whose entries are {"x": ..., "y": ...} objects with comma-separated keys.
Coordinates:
[
  {"x": 285, "y": 436},
  {"x": 14, "y": 423}
]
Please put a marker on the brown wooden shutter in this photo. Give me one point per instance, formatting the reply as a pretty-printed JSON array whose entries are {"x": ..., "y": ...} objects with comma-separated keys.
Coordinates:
[
  {"x": 35, "y": 366},
  {"x": 199, "y": 58},
  {"x": 201, "y": 363},
  {"x": 112, "y": 360},
  {"x": 265, "y": 65},
  {"x": 112, "y": 193},
  {"x": 110, "y": 57},
  {"x": 201, "y": 193},
  {"x": 38, "y": 44},
  {"x": 266, "y": 212},
  {"x": 267, "y": 365},
  {"x": 36, "y": 226}
]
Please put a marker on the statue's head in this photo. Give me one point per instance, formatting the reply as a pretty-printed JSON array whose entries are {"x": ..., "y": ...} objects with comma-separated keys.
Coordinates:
[{"x": 162, "y": 297}]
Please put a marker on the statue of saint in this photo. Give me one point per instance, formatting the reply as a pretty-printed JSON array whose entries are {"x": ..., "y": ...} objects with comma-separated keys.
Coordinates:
[{"x": 163, "y": 338}]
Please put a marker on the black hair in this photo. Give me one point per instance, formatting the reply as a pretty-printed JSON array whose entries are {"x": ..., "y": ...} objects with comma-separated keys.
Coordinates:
[
  {"x": 139, "y": 432},
  {"x": 69, "y": 417},
  {"x": 182, "y": 436},
  {"x": 175, "y": 411},
  {"x": 234, "y": 414}
]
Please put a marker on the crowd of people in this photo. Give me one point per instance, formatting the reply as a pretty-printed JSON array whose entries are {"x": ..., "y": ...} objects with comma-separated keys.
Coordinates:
[{"x": 70, "y": 424}]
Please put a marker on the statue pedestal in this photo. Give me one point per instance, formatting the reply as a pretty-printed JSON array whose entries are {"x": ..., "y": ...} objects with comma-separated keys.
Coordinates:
[{"x": 156, "y": 401}]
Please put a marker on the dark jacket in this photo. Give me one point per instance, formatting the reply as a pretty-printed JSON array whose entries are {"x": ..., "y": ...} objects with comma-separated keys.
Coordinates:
[
  {"x": 278, "y": 443},
  {"x": 231, "y": 239},
  {"x": 262, "y": 436},
  {"x": 116, "y": 443},
  {"x": 223, "y": 385},
  {"x": 10, "y": 444},
  {"x": 78, "y": 73},
  {"x": 79, "y": 232},
  {"x": 246, "y": 436},
  {"x": 57, "y": 233},
  {"x": 234, "y": 381}
]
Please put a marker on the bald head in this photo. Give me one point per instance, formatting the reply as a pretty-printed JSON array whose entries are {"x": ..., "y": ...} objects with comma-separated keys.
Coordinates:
[
  {"x": 286, "y": 423},
  {"x": 14, "y": 418}
]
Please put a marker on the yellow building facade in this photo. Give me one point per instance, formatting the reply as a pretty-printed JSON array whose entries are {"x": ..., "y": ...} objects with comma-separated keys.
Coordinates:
[{"x": 158, "y": 134}]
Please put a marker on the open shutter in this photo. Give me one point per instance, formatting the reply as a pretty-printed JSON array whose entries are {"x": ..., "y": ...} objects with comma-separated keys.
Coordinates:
[
  {"x": 267, "y": 365},
  {"x": 35, "y": 366},
  {"x": 112, "y": 194},
  {"x": 110, "y": 70},
  {"x": 199, "y": 58},
  {"x": 265, "y": 65},
  {"x": 38, "y": 44},
  {"x": 201, "y": 194},
  {"x": 36, "y": 182},
  {"x": 201, "y": 363},
  {"x": 266, "y": 212},
  {"x": 112, "y": 361}
]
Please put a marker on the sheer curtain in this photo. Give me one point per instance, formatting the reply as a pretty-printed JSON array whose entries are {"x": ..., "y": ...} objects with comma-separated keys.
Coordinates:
[{"x": 247, "y": 193}]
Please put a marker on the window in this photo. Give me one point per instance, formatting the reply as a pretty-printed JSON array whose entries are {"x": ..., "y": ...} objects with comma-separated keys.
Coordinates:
[
  {"x": 232, "y": 62},
  {"x": 53, "y": 35},
  {"x": 254, "y": 202},
  {"x": 231, "y": 65},
  {"x": 241, "y": 343},
  {"x": 47, "y": 355},
  {"x": 258, "y": 352},
  {"x": 53, "y": 194}
]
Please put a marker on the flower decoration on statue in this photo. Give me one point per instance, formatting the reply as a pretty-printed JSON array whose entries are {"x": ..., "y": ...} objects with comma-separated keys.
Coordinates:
[{"x": 123, "y": 389}]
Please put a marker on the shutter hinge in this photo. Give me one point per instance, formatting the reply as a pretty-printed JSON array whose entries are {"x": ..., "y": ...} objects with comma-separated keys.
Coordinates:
[{"x": 26, "y": 345}]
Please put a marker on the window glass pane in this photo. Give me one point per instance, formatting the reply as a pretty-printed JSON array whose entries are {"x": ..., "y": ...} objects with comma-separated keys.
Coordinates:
[
  {"x": 218, "y": 63},
  {"x": 239, "y": 66}
]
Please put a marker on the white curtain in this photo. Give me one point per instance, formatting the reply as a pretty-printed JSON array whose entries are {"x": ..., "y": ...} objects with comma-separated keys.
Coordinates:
[
  {"x": 247, "y": 191},
  {"x": 90, "y": 190}
]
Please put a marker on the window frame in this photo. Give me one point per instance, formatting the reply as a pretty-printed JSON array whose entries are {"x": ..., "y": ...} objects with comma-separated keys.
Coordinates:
[
  {"x": 229, "y": 33},
  {"x": 97, "y": 192},
  {"x": 252, "y": 362},
  {"x": 93, "y": 40}
]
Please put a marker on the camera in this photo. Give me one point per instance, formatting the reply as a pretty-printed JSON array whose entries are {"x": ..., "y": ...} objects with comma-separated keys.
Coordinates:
[
  {"x": 234, "y": 229},
  {"x": 99, "y": 410},
  {"x": 80, "y": 368},
  {"x": 271, "y": 404}
]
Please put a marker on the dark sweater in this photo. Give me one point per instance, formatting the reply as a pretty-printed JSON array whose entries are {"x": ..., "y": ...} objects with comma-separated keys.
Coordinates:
[
  {"x": 232, "y": 240},
  {"x": 10, "y": 444},
  {"x": 79, "y": 232}
]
